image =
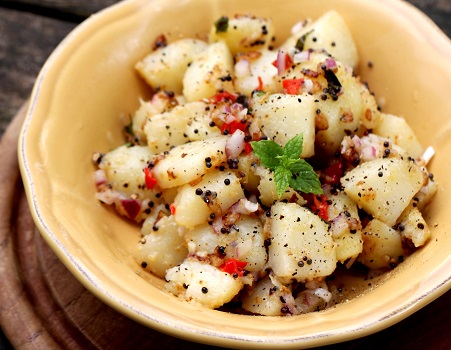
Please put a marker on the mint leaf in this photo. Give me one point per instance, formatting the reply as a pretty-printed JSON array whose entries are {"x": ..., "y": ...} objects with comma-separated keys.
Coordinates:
[
  {"x": 306, "y": 180},
  {"x": 289, "y": 169},
  {"x": 269, "y": 152},
  {"x": 295, "y": 165},
  {"x": 293, "y": 148},
  {"x": 282, "y": 178}
]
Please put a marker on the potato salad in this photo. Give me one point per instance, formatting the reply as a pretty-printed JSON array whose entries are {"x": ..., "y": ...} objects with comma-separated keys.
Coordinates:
[{"x": 254, "y": 171}]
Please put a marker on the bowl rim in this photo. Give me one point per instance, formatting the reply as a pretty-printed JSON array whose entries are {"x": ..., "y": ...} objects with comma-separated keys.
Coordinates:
[{"x": 85, "y": 277}]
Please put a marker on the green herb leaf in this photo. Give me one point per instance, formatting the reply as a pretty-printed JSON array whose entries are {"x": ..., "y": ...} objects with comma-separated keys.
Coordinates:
[
  {"x": 300, "y": 43},
  {"x": 282, "y": 178},
  {"x": 293, "y": 148},
  {"x": 295, "y": 165},
  {"x": 306, "y": 180},
  {"x": 222, "y": 24},
  {"x": 289, "y": 169},
  {"x": 269, "y": 152}
]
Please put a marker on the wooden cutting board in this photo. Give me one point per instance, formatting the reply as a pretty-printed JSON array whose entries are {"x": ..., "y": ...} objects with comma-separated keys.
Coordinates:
[{"x": 42, "y": 306}]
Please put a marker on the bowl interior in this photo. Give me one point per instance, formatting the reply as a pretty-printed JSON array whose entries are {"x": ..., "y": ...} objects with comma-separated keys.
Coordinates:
[{"x": 89, "y": 83}]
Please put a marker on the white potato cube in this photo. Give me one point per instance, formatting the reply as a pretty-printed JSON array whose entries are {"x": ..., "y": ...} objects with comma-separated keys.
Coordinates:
[
  {"x": 124, "y": 166},
  {"x": 301, "y": 246},
  {"x": 383, "y": 187},
  {"x": 186, "y": 163},
  {"x": 371, "y": 117},
  {"x": 248, "y": 244},
  {"x": 209, "y": 72},
  {"x": 264, "y": 298},
  {"x": 343, "y": 213},
  {"x": 159, "y": 103},
  {"x": 202, "y": 283},
  {"x": 331, "y": 33},
  {"x": 191, "y": 209},
  {"x": 165, "y": 68},
  {"x": 349, "y": 245},
  {"x": 206, "y": 240},
  {"x": 244, "y": 33},
  {"x": 173, "y": 128},
  {"x": 398, "y": 130},
  {"x": 161, "y": 249},
  {"x": 412, "y": 226},
  {"x": 282, "y": 116},
  {"x": 382, "y": 245}
]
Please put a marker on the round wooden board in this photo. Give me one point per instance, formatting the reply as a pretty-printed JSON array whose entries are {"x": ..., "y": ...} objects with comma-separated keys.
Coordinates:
[{"x": 42, "y": 306}]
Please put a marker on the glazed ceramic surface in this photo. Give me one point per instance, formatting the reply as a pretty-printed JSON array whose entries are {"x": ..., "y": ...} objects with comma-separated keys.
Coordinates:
[{"x": 89, "y": 83}]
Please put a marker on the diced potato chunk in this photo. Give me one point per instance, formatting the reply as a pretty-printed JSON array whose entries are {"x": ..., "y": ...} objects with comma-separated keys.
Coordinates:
[
  {"x": 202, "y": 283},
  {"x": 249, "y": 244},
  {"x": 397, "y": 129},
  {"x": 412, "y": 226},
  {"x": 383, "y": 187},
  {"x": 124, "y": 166},
  {"x": 371, "y": 116},
  {"x": 191, "y": 209},
  {"x": 161, "y": 249},
  {"x": 382, "y": 245},
  {"x": 349, "y": 242},
  {"x": 186, "y": 163},
  {"x": 264, "y": 298},
  {"x": 206, "y": 240},
  {"x": 349, "y": 245},
  {"x": 167, "y": 130},
  {"x": 165, "y": 67},
  {"x": 244, "y": 33},
  {"x": 159, "y": 103},
  {"x": 301, "y": 246},
  {"x": 209, "y": 72},
  {"x": 282, "y": 116},
  {"x": 331, "y": 33}
]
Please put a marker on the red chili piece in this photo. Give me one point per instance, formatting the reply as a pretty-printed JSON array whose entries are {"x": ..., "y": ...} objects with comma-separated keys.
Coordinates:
[
  {"x": 321, "y": 206},
  {"x": 260, "y": 83},
  {"x": 233, "y": 126},
  {"x": 247, "y": 148},
  {"x": 151, "y": 182},
  {"x": 333, "y": 173},
  {"x": 172, "y": 209},
  {"x": 234, "y": 266},
  {"x": 292, "y": 86},
  {"x": 222, "y": 96}
]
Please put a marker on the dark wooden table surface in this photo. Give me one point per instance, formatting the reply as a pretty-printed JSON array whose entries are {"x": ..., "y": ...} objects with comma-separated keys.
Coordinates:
[{"x": 31, "y": 29}]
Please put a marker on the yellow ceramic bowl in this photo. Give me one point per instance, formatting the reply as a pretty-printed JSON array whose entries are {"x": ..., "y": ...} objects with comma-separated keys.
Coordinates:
[{"x": 89, "y": 81}]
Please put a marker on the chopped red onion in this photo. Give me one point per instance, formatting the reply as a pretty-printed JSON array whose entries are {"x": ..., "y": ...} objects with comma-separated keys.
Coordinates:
[
  {"x": 244, "y": 206},
  {"x": 235, "y": 144},
  {"x": 108, "y": 196},
  {"x": 280, "y": 62},
  {"x": 331, "y": 63},
  {"x": 99, "y": 177},
  {"x": 242, "y": 68},
  {"x": 302, "y": 56}
]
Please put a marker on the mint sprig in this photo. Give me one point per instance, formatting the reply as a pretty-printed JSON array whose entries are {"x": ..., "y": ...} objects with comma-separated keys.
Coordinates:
[{"x": 288, "y": 168}]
